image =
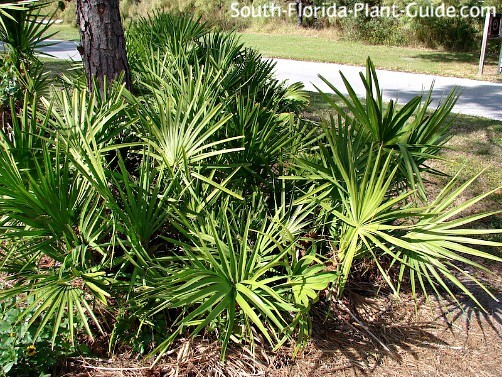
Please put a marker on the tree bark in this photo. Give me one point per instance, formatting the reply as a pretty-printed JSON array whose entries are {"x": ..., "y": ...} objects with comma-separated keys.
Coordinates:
[{"x": 102, "y": 42}]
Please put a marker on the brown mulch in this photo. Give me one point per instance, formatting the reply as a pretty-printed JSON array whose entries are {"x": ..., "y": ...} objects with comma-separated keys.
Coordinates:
[{"x": 382, "y": 337}]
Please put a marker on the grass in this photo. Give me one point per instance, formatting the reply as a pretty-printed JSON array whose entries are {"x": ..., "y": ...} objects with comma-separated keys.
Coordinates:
[
  {"x": 65, "y": 32},
  {"x": 324, "y": 47},
  {"x": 476, "y": 146},
  {"x": 57, "y": 67}
]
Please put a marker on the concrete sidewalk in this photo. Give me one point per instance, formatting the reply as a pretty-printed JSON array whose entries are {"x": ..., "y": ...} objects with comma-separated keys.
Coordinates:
[{"x": 478, "y": 98}]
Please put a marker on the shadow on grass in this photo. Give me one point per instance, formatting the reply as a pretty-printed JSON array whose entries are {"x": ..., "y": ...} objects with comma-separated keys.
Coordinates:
[
  {"x": 465, "y": 124},
  {"x": 449, "y": 57},
  {"x": 458, "y": 57}
]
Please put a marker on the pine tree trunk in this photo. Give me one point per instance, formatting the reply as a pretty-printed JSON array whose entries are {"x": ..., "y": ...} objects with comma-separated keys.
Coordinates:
[{"x": 102, "y": 42}]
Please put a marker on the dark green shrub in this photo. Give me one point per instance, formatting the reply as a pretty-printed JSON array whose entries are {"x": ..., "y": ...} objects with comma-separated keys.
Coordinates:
[
  {"x": 110, "y": 186},
  {"x": 262, "y": 109},
  {"x": 363, "y": 180},
  {"x": 22, "y": 32},
  {"x": 378, "y": 30},
  {"x": 458, "y": 34}
]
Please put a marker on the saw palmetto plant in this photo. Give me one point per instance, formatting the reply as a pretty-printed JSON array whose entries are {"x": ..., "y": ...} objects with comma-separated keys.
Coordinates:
[
  {"x": 202, "y": 204},
  {"x": 357, "y": 173},
  {"x": 24, "y": 29},
  {"x": 237, "y": 274},
  {"x": 21, "y": 29},
  {"x": 411, "y": 130}
]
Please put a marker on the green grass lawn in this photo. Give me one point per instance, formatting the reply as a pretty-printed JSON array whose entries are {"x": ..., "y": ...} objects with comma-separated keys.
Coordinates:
[
  {"x": 64, "y": 32},
  {"x": 56, "y": 67},
  {"x": 325, "y": 49}
]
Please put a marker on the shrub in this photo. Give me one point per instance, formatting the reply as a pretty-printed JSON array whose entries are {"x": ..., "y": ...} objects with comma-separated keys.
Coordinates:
[
  {"x": 64, "y": 10},
  {"x": 379, "y": 30},
  {"x": 202, "y": 203},
  {"x": 108, "y": 187},
  {"x": 458, "y": 34},
  {"x": 452, "y": 33},
  {"x": 21, "y": 33},
  {"x": 410, "y": 130},
  {"x": 260, "y": 124},
  {"x": 368, "y": 161},
  {"x": 215, "y": 13},
  {"x": 22, "y": 353},
  {"x": 233, "y": 276},
  {"x": 9, "y": 86}
]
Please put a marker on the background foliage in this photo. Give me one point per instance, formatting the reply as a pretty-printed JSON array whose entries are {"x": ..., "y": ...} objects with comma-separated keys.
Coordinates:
[{"x": 458, "y": 34}]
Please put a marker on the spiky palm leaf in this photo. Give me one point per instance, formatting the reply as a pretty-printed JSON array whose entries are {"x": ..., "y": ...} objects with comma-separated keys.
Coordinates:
[
  {"x": 231, "y": 275},
  {"x": 21, "y": 31},
  {"x": 55, "y": 241},
  {"x": 408, "y": 130}
]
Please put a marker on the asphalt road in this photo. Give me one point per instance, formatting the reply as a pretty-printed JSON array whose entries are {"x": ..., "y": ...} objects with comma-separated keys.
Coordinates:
[
  {"x": 66, "y": 50},
  {"x": 478, "y": 98}
]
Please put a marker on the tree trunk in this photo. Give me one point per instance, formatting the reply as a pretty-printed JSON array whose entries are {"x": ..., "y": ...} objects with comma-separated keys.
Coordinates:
[{"x": 102, "y": 42}]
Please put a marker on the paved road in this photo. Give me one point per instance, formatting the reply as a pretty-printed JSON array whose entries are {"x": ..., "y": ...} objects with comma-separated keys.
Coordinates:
[
  {"x": 479, "y": 98},
  {"x": 62, "y": 50}
]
